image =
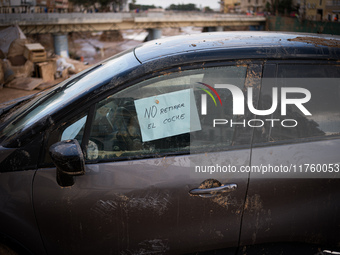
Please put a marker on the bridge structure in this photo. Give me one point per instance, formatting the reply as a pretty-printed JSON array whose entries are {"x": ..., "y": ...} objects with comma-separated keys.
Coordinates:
[{"x": 60, "y": 24}]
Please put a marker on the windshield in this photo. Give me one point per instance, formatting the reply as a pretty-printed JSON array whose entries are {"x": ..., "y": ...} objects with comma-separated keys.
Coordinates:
[{"x": 63, "y": 94}]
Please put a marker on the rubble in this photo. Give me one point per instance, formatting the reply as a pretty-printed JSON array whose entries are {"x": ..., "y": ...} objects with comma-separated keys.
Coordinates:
[
  {"x": 17, "y": 48},
  {"x": 8, "y": 72},
  {"x": 2, "y": 74},
  {"x": 16, "y": 52},
  {"x": 22, "y": 71},
  {"x": 25, "y": 83},
  {"x": 46, "y": 70},
  {"x": 111, "y": 36},
  {"x": 39, "y": 75},
  {"x": 34, "y": 52},
  {"x": 26, "y": 66},
  {"x": 7, "y": 36},
  {"x": 63, "y": 68}
]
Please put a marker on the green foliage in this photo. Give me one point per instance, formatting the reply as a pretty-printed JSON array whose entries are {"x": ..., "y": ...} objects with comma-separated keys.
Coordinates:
[
  {"x": 103, "y": 3},
  {"x": 285, "y": 6},
  {"x": 140, "y": 7},
  {"x": 83, "y": 2},
  {"x": 183, "y": 7},
  {"x": 208, "y": 9}
]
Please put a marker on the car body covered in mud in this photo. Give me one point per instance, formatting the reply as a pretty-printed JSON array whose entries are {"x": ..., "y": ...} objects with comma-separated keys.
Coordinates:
[{"x": 225, "y": 142}]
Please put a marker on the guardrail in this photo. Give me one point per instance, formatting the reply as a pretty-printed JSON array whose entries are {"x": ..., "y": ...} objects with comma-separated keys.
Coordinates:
[
  {"x": 64, "y": 18},
  {"x": 38, "y": 23}
]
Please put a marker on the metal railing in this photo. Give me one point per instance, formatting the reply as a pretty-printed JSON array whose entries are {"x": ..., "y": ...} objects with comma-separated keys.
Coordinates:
[{"x": 64, "y": 18}]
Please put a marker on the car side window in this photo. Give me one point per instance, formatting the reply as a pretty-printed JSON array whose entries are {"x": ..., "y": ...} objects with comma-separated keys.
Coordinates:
[
  {"x": 163, "y": 115},
  {"x": 322, "y": 81},
  {"x": 71, "y": 128},
  {"x": 75, "y": 130}
]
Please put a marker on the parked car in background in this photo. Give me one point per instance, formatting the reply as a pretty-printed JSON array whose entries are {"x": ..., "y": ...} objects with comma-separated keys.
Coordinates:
[{"x": 216, "y": 143}]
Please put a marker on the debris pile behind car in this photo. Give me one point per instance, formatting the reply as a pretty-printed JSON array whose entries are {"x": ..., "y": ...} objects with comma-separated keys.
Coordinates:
[
  {"x": 28, "y": 66},
  {"x": 111, "y": 36}
]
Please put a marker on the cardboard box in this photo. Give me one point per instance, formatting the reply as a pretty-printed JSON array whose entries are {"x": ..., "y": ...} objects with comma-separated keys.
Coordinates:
[
  {"x": 35, "y": 52},
  {"x": 46, "y": 70}
]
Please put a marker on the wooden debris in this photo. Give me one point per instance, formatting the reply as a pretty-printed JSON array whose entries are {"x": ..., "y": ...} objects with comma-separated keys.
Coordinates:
[
  {"x": 2, "y": 74},
  {"x": 25, "y": 83},
  {"x": 35, "y": 52},
  {"x": 23, "y": 71},
  {"x": 46, "y": 70}
]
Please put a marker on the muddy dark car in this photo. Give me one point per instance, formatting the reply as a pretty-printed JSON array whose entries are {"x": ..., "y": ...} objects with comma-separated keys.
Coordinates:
[{"x": 220, "y": 143}]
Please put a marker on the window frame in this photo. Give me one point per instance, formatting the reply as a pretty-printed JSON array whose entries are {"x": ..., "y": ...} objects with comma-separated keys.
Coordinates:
[{"x": 91, "y": 105}]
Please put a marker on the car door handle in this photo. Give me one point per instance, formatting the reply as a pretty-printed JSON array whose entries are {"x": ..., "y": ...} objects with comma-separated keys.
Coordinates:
[{"x": 213, "y": 191}]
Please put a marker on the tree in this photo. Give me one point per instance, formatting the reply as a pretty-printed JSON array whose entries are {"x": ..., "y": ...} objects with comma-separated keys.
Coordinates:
[
  {"x": 133, "y": 6},
  {"x": 207, "y": 9},
  {"x": 183, "y": 7},
  {"x": 103, "y": 3},
  {"x": 285, "y": 6},
  {"x": 83, "y": 2}
]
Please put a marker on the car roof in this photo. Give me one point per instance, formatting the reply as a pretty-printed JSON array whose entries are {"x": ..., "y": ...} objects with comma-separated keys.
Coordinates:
[{"x": 257, "y": 45}]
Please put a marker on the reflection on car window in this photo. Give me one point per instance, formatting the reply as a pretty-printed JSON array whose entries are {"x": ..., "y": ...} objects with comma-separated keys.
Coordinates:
[
  {"x": 69, "y": 128},
  {"x": 73, "y": 131},
  {"x": 163, "y": 115},
  {"x": 68, "y": 91},
  {"x": 322, "y": 81}
]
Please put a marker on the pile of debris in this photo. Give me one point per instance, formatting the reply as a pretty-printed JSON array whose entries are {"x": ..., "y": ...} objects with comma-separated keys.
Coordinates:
[
  {"x": 25, "y": 65},
  {"x": 111, "y": 36}
]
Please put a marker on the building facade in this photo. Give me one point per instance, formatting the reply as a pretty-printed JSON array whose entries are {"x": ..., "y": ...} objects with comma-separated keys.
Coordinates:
[
  {"x": 33, "y": 6},
  {"x": 230, "y": 6},
  {"x": 60, "y": 6},
  {"x": 332, "y": 10},
  {"x": 322, "y": 10},
  {"x": 253, "y": 6},
  {"x": 315, "y": 9}
]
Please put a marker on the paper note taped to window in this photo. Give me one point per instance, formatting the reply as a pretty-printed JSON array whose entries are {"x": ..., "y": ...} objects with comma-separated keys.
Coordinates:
[{"x": 167, "y": 115}]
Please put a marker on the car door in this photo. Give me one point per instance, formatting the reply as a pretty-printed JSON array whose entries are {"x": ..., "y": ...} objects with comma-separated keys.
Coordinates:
[
  {"x": 293, "y": 201},
  {"x": 159, "y": 177}
]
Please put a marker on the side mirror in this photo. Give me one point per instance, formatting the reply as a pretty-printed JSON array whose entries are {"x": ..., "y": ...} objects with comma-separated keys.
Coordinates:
[{"x": 69, "y": 160}]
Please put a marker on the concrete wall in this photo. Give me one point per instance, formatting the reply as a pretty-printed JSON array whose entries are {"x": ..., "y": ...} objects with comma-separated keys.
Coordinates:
[{"x": 308, "y": 26}]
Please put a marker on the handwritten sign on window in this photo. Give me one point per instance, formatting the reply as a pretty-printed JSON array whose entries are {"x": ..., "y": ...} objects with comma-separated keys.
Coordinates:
[{"x": 167, "y": 115}]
